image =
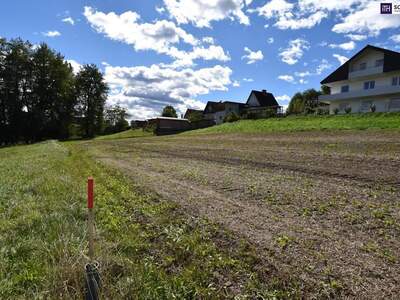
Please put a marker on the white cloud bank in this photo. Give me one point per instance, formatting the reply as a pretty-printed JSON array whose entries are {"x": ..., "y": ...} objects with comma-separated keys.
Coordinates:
[
  {"x": 144, "y": 91},
  {"x": 353, "y": 17},
  {"x": 160, "y": 36},
  {"x": 201, "y": 13}
]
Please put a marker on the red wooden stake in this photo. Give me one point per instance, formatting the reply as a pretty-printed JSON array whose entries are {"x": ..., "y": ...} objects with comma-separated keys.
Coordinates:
[
  {"x": 90, "y": 192},
  {"x": 90, "y": 202}
]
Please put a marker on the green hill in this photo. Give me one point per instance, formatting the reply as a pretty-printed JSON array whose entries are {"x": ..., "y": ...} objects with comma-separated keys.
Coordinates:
[{"x": 304, "y": 123}]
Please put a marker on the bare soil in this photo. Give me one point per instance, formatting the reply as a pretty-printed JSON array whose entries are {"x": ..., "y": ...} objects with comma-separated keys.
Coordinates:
[{"x": 323, "y": 207}]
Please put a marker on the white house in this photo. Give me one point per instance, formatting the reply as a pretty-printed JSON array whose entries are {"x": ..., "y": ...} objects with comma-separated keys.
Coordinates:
[
  {"x": 370, "y": 79},
  {"x": 216, "y": 111}
]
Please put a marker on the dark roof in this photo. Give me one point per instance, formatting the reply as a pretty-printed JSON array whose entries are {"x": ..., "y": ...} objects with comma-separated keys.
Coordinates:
[
  {"x": 190, "y": 111},
  {"x": 264, "y": 98},
  {"x": 391, "y": 62},
  {"x": 213, "y": 107}
]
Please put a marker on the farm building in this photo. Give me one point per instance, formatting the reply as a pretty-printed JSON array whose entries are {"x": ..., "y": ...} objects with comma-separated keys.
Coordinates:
[{"x": 166, "y": 125}]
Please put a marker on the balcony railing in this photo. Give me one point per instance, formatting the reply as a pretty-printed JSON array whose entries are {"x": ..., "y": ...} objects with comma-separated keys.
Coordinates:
[
  {"x": 377, "y": 91},
  {"x": 365, "y": 72}
]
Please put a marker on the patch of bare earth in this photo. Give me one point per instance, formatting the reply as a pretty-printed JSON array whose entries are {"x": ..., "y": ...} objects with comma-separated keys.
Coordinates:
[{"x": 321, "y": 206}]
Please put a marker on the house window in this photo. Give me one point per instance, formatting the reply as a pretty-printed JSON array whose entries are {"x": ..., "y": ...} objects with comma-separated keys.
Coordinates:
[
  {"x": 379, "y": 62},
  {"x": 369, "y": 85},
  {"x": 363, "y": 66},
  {"x": 345, "y": 89},
  {"x": 396, "y": 81}
]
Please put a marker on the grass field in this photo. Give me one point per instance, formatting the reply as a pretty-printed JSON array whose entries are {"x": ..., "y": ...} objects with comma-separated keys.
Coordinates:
[
  {"x": 254, "y": 213},
  {"x": 147, "y": 248},
  {"x": 125, "y": 134},
  {"x": 304, "y": 123}
]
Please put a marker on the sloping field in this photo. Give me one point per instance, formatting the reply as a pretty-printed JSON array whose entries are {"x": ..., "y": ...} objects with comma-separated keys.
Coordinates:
[
  {"x": 147, "y": 247},
  {"x": 322, "y": 209}
]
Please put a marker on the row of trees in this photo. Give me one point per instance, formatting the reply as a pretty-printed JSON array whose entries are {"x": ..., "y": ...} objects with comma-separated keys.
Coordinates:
[
  {"x": 42, "y": 98},
  {"x": 306, "y": 102}
]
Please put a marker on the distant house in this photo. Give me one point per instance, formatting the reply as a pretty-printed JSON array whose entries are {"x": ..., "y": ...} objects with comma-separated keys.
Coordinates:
[
  {"x": 260, "y": 101},
  {"x": 166, "y": 125},
  {"x": 368, "y": 81},
  {"x": 216, "y": 111}
]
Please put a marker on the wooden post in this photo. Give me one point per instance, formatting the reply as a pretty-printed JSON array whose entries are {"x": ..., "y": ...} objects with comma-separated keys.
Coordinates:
[{"x": 90, "y": 217}]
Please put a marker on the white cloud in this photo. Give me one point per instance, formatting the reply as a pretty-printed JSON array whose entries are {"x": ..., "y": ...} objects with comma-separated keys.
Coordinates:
[
  {"x": 252, "y": 56},
  {"x": 303, "y": 74},
  {"x": 208, "y": 40},
  {"x": 303, "y": 81},
  {"x": 202, "y": 12},
  {"x": 273, "y": 8},
  {"x": 160, "y": 36},
  {"x": 342, "y": 59},
  {"x": 395, "y": 38},
  {"x": 270, "y": 40},
  {"x": 366, "y": 19},
  {"x": 287, "y": 78},
  {"x": 75, "y": 65},
  {"x": 236, "y": 83},
  {"x": 51, "y": 33},
  {"x": 294, "y": 51},
  {"x": 144, "y": 91},
  {"x": 68, "y": 20},
  {"x": 283, "y": 98},
  {"x": 324, "y": 65},
  {"x": 345, "y": 46},
  {"x": 357, "y": 37},
  {"x": 248, "y": 79},
  {"x": 160, "y": 9},
  {"x": 289, "y": 21}
]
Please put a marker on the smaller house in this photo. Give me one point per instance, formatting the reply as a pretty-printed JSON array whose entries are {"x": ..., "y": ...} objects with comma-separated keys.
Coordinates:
[
  {"x": 261, "y": 102},
  {"x": 217, "y": 111},
  {"x": 166, "y": 125}
]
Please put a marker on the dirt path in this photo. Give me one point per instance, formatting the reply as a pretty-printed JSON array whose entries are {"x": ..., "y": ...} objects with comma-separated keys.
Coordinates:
[{"x": 322, "y": 207}]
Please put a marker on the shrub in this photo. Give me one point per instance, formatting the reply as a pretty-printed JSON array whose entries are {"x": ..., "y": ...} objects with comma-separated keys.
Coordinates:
[
  {"x": 231, "y": 117},
  {"x": 336, "y": 111},
  {"x": 347, "y": 110},
  {"x": 372, "y": 108}
]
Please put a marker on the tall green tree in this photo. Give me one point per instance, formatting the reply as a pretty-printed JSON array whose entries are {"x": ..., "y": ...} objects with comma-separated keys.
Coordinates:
[
  {"x": 169, "y": 111},
  {"x": 91, "y": 95},
  {"x": 52, "y": 99},
  {"x": 16, "y": 67}
]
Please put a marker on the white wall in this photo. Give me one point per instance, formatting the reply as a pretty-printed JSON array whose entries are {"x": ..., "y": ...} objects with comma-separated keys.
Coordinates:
[
  {"x": 369, "y": 56},
  {"x": 253, "y": 101},
  {"x": 382, "y": 104},
  {"x": 384, "y": 79}
]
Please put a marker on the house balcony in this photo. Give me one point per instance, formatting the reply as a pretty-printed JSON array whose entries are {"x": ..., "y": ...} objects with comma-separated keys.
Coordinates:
[
  {"x": 366, "y": 72},
  {"x": 377, "y": 91}
]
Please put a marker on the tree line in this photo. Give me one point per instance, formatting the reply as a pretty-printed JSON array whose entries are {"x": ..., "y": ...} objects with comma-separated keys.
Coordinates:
[{"x": 41, "y": 97}]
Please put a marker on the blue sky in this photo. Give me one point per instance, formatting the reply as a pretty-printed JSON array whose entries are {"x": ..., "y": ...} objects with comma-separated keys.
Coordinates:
[{"x": 186, "y": 52}]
